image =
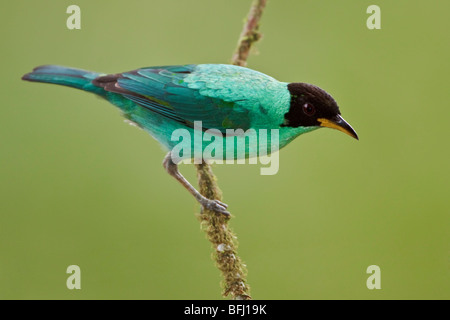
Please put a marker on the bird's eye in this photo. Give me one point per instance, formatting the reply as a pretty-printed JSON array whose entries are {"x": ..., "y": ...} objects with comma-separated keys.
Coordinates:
[{"x": 309, "y": 109}]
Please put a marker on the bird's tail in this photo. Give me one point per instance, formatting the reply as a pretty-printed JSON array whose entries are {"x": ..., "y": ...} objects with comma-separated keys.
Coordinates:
[{"x": 76, "y": 78}]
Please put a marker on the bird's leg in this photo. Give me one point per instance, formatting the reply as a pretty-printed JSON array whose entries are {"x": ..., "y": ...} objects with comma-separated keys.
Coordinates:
[{"x": 213, "y": 205}]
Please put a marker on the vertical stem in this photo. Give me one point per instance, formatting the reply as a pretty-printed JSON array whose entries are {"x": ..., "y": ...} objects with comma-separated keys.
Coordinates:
[
  {"x": 222, "y": 239},
  {"x": 216, "y": 226},
  {"x": 250, "y": 33}
]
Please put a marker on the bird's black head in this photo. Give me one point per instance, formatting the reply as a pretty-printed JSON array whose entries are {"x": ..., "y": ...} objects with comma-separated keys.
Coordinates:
[{"x": 311, "y": 106}]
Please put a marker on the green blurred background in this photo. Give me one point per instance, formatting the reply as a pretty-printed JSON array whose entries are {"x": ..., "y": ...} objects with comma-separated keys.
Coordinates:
[{"x": 78, "y": 186}]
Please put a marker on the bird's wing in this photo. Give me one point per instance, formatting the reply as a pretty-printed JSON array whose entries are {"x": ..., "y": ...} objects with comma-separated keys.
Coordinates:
[{"x": 221, "y": 96}]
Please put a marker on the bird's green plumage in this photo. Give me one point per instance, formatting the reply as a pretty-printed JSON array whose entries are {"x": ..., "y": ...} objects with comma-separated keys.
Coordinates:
[
  {"x": 163, "y": 99},
  {"x": 259, "y": 99}
]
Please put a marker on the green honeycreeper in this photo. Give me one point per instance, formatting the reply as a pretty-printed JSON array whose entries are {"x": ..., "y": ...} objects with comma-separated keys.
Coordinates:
[{"x": 165, "y": 98}]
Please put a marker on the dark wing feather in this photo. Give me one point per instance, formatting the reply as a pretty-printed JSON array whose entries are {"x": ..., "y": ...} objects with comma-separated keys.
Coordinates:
[{"x": 162, "y": 90}]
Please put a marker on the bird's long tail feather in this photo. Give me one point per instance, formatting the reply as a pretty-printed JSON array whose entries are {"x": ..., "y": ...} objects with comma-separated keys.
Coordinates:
[{"x": 71, "y": 77}]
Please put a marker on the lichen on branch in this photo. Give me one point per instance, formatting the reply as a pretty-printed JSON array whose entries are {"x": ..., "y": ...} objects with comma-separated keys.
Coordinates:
[{"x": 250, "y": 33}]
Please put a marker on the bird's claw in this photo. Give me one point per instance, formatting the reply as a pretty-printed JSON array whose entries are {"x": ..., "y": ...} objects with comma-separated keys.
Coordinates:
[{"x": 216, "y": 206}]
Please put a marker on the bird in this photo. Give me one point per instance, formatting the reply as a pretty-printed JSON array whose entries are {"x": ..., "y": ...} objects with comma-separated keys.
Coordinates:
[{"x": 162, "y": 99}]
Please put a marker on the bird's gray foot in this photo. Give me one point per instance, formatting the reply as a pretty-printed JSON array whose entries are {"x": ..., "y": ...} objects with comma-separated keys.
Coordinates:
[{"x": 215, "y": 205}]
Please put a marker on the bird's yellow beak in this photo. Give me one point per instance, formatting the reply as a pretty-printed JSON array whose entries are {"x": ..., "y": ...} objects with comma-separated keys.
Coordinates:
[{"x": 340, "y": 124}]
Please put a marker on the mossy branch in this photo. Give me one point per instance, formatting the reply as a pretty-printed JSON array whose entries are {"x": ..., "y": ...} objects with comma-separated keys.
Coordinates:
[
  {"x": 250, "y": 33},
  {"x": 223, "y": 240}
]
